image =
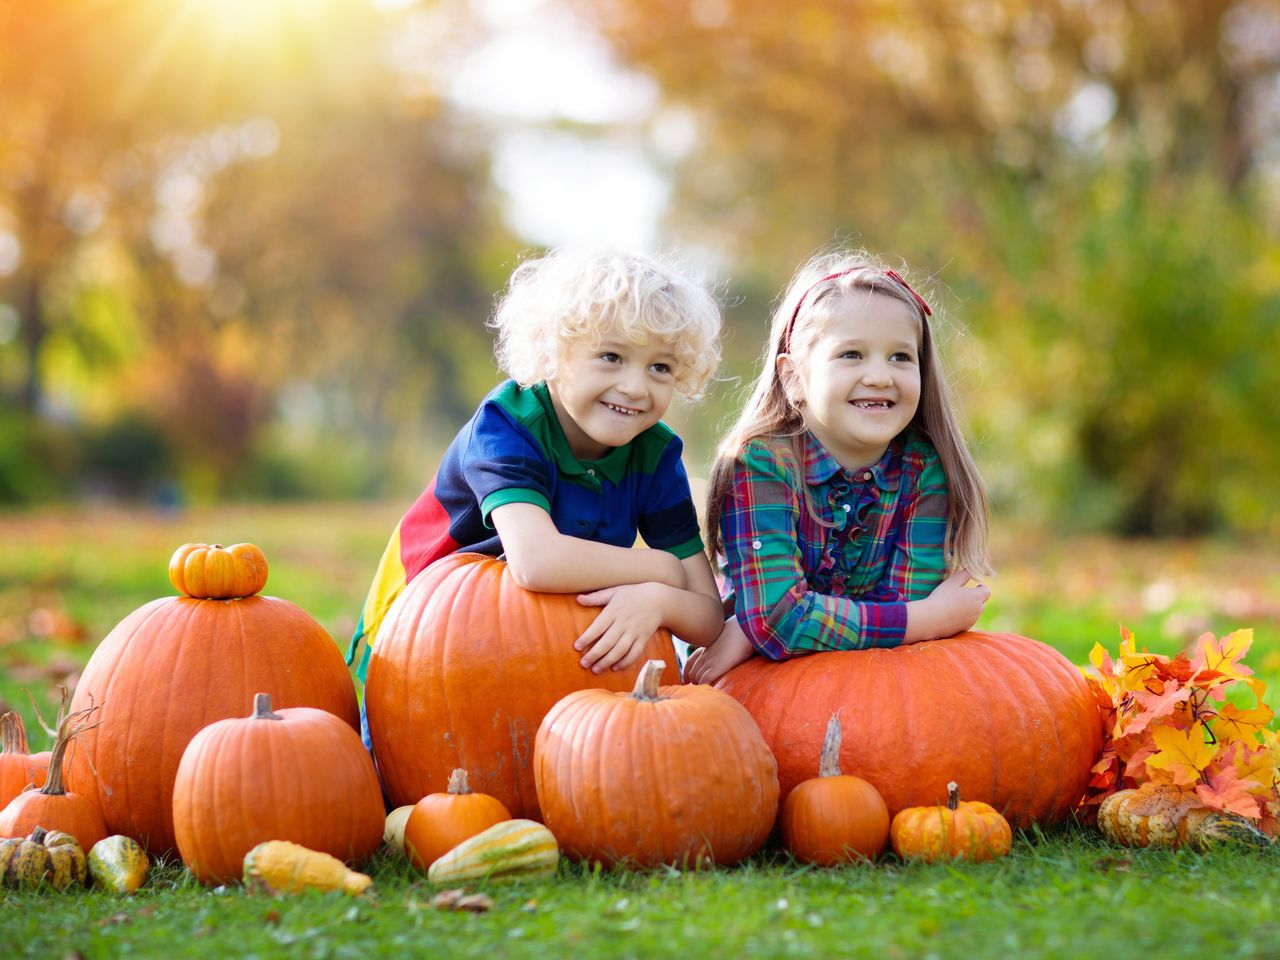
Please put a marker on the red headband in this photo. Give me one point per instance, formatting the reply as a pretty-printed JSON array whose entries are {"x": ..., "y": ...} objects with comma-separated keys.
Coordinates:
[{"x": 786, "y": 339}]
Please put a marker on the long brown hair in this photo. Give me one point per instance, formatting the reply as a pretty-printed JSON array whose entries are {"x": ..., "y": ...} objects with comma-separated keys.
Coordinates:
[{"x": 770, "y": 413}]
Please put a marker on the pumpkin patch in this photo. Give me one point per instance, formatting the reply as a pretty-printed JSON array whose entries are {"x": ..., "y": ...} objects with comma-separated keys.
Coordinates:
[
  {"x": 1008, "y": 717},
  {"x": 464, "y": 667},
  {"x": 176, "y": 665}
]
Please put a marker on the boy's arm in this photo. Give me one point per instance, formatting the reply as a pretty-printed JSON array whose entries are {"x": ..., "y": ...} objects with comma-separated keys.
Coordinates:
[{"x": 543, "y": 559}]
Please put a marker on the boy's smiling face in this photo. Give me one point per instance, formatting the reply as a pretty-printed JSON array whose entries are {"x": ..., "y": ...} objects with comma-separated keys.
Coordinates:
[{"x": 607, "y": 394}]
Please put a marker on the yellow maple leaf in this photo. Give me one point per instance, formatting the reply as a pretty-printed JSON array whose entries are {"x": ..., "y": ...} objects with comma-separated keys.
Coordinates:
[
  {"x": 1183, "y": 753},
  {"x": 1225, "y": 655},
  {"x": 1233, "y": 723}
]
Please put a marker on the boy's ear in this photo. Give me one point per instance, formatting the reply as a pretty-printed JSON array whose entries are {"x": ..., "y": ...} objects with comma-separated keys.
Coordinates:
[{"x": 791, "y": 385}]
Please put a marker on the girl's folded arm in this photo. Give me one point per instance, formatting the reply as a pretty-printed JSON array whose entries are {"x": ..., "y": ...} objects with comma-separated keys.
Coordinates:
[{"x": 543, "y": 559}]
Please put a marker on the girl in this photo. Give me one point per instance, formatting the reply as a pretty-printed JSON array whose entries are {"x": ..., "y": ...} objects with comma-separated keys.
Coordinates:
[{"x": 845, "y": 494}]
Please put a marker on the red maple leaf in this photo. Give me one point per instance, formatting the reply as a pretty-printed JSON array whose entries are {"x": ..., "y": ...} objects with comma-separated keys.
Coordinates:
[{"x": 1226, "y": 791}]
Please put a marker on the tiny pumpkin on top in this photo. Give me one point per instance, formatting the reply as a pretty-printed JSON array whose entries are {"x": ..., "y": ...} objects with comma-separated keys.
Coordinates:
[
  {"x": 834, "y": 818},
  {"x": 214, "y": 572},
  {"x": 958, "y": 830}
]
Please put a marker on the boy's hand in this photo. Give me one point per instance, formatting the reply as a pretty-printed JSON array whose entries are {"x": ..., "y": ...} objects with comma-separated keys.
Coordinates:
[
  {"x": 708, "y": 664},
  {"x": 620, "y": 632}
]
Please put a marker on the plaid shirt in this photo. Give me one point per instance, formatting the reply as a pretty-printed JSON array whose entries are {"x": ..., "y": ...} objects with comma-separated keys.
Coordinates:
[{"x": 802, "y": 587}]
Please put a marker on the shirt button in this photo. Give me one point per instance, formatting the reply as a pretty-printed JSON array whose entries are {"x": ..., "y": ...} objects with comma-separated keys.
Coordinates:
[
  {"x": 867, "y": 475},
  {"x": 756, "y": 544},
  {"x": 844, "y": 507},
  {"x": 592, "y": 471}
]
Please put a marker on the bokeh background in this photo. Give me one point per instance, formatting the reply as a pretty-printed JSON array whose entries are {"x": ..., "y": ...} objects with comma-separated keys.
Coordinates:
[{"x": 248, "y": 247}]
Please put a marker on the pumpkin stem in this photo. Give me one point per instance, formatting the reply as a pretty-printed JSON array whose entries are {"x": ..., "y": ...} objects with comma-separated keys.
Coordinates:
[
  {"x": 262, "y": 708},
  {"x": 38, "y": 835},
  {"x": 458, "y": 781},
  {"x": 13, "y": 735},
  {"x": 72, "y": 725},
  {"x": 953, "y": 795},
  {"x": 646, "y": 687},
  {"x": 830, "y": 764}
]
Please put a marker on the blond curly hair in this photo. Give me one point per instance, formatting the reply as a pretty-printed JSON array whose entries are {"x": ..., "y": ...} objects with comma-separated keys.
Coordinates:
[{"x": 569, "y": 295}]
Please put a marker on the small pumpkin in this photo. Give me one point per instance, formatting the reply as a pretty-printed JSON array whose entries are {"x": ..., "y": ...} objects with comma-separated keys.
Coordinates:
[
  {"x": 300, "y": 774},
  {"x": 509, "y": 850},
  {"x": 53, "y": 806},
  {"x": 968, "y": 830},
  {"x": 118, "y": 864},
  {"x": 660, "y": 775},
  {"x": 1160, "y": 814},
  {"x": 393, "y": 830},
  {"x": 278, "y": 866},
  {"x": 214, "y": 572},
  {"x": 441, "y": 821},
  {"x": 19, "y": 768},
  {"x": 834, "y": 818}
]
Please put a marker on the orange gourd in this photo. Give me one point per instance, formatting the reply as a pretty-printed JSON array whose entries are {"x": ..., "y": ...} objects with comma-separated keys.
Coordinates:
[
  {"x": 834, "y": 818},
  {"x": 661, "y": 775},
  {"x": 298, "y": 774},
  {"x": 968, "y": 830},
  {"x": 176, "y": 665},
  {"x": 53, "y": 806},
  {"x": 463, "y": 669},
  {"x": 1009, "y": 717},
  {"x": 441, "y": 821},
  {"x": 215, "y": 572},
  {"x": 19, "y": 769}
]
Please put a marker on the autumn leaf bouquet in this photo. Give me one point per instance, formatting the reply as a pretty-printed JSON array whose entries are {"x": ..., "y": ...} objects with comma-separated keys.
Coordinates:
[{"x": 1181, "y": 750}]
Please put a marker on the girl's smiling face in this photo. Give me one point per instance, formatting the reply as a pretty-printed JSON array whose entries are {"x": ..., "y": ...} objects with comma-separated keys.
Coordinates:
[
  {"x": 606, "y": 395},
  {"x": 858, "y": 383}
]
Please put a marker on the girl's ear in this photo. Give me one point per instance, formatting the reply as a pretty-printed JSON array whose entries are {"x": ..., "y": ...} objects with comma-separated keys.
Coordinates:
[{"x": 792, "y": 387}]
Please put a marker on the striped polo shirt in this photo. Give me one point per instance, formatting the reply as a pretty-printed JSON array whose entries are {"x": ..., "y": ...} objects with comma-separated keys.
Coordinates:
[{"x": 514, "y": 451}]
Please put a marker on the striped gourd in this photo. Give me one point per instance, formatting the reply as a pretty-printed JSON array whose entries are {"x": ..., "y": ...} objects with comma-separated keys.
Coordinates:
[
  {"x": 507, "y": 850},
  {"x": 118, "y": 863},
  {"x": 1160, "y": 814}
]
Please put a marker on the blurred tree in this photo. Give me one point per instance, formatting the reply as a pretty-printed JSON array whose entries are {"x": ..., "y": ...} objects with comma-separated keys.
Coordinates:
[
  {"x": 210, "y": 208},
  {"x": 1091, "y": 175}
]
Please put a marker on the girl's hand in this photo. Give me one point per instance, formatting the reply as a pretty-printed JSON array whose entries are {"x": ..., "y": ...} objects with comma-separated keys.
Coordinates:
[
  {"x": 620, "y": 632},
  {"x": 952, "y": 608},
  {"x": 708, "y": 664}
]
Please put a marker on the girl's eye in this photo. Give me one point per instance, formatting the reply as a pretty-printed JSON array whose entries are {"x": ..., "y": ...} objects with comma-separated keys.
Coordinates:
[
  {"x": 610, "y": 357},
  {"x": 902, "y": 357},
  {"x": 662, "y": 368},
  {"x": 851, "y": 355}
]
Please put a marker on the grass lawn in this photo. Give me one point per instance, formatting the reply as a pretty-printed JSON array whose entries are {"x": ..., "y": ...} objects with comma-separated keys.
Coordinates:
[{"x": 67, "y": 576}]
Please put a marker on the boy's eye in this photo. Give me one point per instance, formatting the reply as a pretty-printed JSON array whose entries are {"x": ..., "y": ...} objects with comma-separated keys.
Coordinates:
[
  {"x": 851, "y": 355},
  {"x": 662, "y": 368},
  {"x": 610, "y": 357}
]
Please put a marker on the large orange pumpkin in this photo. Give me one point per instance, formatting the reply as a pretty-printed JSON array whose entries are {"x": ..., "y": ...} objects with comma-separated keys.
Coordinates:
[
  {"x": 176, "y": 665},
  {"x": 1009, "y": 717},
  {"x": 660, "y": 775},
  {"x": 464, "y": 667},
  {"x": 299, "y": 774}
]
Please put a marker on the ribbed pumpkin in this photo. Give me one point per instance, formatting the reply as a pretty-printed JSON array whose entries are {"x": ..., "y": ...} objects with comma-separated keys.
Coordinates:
[
  {"x": 834, "y": 817},
  {"x": 53, "y": 806},
  {"x": 957, "y": 830},
  {"x": 659, "y": 775},
  {"x": 19, "y": 769},
  {"x": 441, "y": 821},
  {"x": 464, "y": 667},
  {"x": 298, "y": 774},
  {"x": 176, "y": 665},
  {"x": 1008, "y": 717}
]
